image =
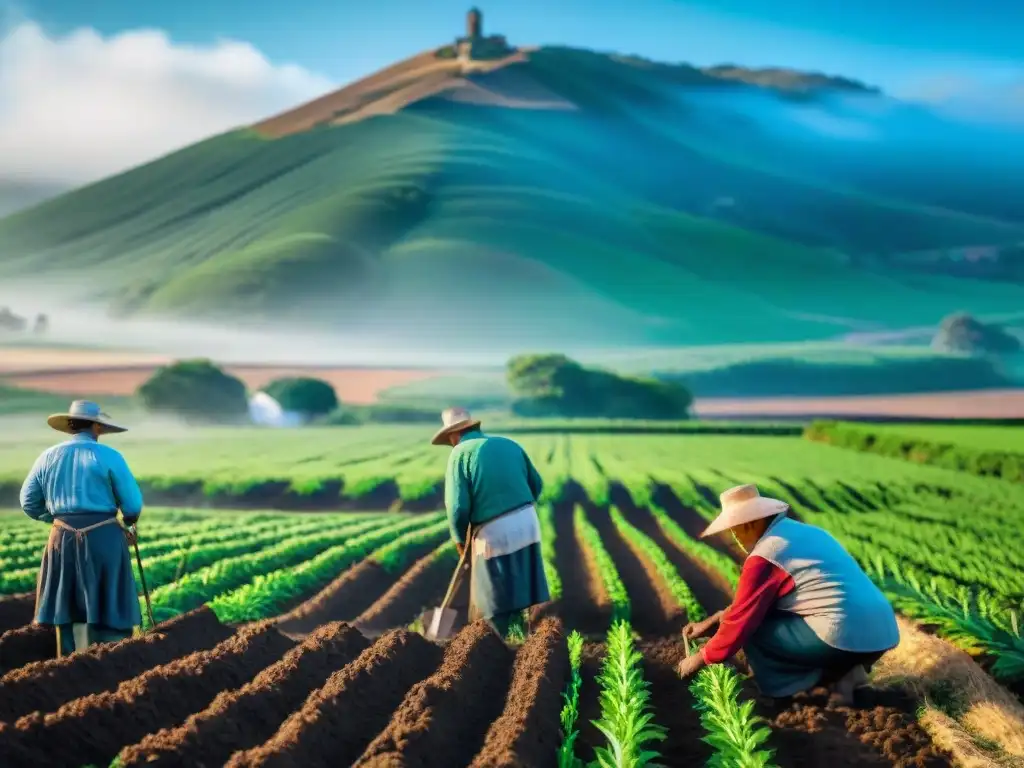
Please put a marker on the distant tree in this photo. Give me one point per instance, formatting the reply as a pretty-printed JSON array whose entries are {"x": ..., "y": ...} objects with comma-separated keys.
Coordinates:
[
  {"x": 556, "y": 386},
  {"x": 963, "y": 333},
  {"x": 196, "y": 390},
  {"x": 42, "y": 324},
  {"x": 308, "y": 396}
]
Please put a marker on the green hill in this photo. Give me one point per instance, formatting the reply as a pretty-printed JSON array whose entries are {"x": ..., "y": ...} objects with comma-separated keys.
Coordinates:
[{"x": 559, "y": 197}]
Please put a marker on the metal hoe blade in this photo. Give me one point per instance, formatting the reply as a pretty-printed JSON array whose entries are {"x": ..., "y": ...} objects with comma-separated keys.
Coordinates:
[{"x": 438, "y": 622}]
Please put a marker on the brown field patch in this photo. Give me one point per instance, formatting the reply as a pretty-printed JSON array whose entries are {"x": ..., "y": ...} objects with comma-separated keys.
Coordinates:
[
  {"x": 15, "y": 360},
  {"x": 359, "y": 386}
]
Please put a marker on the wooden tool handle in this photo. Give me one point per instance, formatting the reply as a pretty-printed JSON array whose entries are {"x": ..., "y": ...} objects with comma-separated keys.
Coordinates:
[{"x": 458, "y": 571}]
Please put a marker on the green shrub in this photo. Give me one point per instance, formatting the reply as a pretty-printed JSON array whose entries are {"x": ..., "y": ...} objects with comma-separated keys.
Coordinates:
[
  {"x": 545, "y": 386},
  {"x": 308, "y": 396},
  {"x": 196, "y": 390}
]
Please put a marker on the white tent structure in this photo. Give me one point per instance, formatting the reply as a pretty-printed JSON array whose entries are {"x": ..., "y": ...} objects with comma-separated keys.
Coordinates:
[{"x": 267, "y": 412}]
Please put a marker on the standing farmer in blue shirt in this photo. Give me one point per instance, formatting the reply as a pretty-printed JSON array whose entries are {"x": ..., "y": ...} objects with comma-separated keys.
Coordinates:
[
  {"x": 490, "y": 490},
  {"x": 86, "y": 587}
]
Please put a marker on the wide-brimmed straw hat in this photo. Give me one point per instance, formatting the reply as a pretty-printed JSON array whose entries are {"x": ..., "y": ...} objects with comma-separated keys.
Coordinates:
[
  {"x": 743, "y": 504},
  {"x": 454, "y": 420},
  {"x": 83, "y": 410}
]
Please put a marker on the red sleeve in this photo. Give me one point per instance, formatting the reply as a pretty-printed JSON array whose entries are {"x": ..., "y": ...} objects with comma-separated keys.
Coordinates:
[{"x": 761, "y": 584}]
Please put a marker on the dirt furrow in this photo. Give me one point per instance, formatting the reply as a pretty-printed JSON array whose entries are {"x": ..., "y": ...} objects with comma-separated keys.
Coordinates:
[
  {"x": 17, "y": 610},
  {"x": 809, "y": 731},
  {"x": 672, "y": 704},
  {"x": 92, "y": 729},
  {"x": 653, "y": 610},
  {"x": 443, "y": 720},
  {"x": 44, "y": 686},
  {"x": 345, "y": 598},
  {"x": 248, "y": 716},
  {"x": 421, "y": 586},
  {"x": 33, "y": 642},
  {"x": 338, "y": 721},
  {"x": 691, "y": 522},
  {"x": 528, "y": 733},
  {"x": 711, "y": 590},
  {"x": 584, "y": 605},
  {"x": 590, "y": 708}
]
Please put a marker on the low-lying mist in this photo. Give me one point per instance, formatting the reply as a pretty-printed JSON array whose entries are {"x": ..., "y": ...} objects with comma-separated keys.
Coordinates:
[{"x": 82, "y": 325}]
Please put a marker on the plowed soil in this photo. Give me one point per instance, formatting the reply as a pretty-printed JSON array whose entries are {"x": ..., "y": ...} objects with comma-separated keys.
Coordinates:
[
  {"x": 671, "y": 700},
  {"x": 345, "y": 598},
  {"x": 527, "y": 733},
  {"x": 653, "y": 610},
  {"x": 584, "y": 605},
  {"x": 339, "y": 720},
  {"x": 94, "y": 728},
  {"x": 693, "y": 524},
  {"x": 196, "y": 694},
  {"x": 709, "y": 587},
  {"x": 247, "y": 717},
  {"x": 44, "y": 686},
  {"x": 421, "y": 586},
  {"x": 33, "y": 642},
  {"x": 809, "y": 731},
  {"x": 443, "y": 720},
  {"x": 16, "y": 611}
]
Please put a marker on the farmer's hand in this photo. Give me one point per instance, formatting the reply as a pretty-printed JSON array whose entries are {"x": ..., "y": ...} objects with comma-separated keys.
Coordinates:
[
  {"x": 699, "y": 629},
  {"x": 131, "y": 535},
  {"x": 690, "y": 666}
]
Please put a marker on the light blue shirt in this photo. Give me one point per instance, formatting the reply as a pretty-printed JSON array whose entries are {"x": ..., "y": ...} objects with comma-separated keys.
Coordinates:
[{"x": 77, "y": 477}]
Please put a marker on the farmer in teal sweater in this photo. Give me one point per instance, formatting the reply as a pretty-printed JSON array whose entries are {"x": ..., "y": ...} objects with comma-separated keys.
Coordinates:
[{"x": 491, "y": 487}]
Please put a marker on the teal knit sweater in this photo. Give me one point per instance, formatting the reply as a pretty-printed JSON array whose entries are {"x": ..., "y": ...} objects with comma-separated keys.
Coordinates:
[{"x": 487, "y": 476}]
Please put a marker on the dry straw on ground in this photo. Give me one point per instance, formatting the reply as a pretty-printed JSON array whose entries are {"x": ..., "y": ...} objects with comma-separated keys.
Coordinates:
[{"x": 966, "y": 711}]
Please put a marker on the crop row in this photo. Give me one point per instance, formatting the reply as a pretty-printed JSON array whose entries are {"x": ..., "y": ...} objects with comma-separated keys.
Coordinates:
[
  {"x": 330, "y": 465},
  {"x": 268, "y": 593},
  {"x": 194, "y": 589},
  {"x": 626, "y": 718},
  {"x": 626, "y": 721},
  {"x": 590, "y": 538},
  {"x": 677, "y": 586},
  {"x": 931, "y": 449},
  {"x": 187, "y": 554},
  {"x": 735, "y": 732}
]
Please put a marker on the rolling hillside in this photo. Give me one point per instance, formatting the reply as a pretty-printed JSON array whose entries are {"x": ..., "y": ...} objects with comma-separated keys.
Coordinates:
[{"x": 554, "y": 196}]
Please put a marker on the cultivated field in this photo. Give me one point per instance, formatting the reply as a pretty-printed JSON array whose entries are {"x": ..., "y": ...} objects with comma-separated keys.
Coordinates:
[{"x": 252, "y": 667}]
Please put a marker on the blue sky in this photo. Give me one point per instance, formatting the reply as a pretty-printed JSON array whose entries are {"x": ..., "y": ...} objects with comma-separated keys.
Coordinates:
[{"x": 904, "y": 46}]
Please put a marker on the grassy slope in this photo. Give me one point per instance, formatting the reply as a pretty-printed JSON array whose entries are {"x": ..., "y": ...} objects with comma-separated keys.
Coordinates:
[{"x": 577, "y": 226}]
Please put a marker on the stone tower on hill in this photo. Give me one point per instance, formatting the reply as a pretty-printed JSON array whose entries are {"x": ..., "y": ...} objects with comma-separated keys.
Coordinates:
[
  {"x": 474, "y": 46},
  {"x": 474, "y": 24}
]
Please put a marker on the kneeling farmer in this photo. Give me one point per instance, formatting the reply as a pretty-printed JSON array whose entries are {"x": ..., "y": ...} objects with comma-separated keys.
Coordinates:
[
  {"x": 86, "y": 586},
  {"x": 490, "y": 490},
  {"x": 804, "y": 613}
]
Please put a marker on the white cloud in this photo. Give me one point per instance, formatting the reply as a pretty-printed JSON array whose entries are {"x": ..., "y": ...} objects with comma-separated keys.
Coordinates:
[{"x": 79, "y": 107}]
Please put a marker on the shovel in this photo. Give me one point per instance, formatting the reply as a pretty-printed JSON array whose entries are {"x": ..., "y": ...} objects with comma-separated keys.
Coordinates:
[{"x": 438, "y": 622}]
